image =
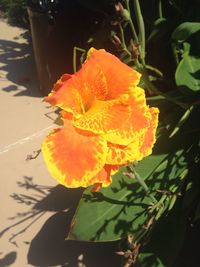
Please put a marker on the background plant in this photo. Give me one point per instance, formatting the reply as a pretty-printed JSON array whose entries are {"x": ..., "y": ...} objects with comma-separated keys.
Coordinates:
[
  {"x": 151, "y": 205},
  {"x": 159, "y": 198},
  {"x": 15, "y": 11}
]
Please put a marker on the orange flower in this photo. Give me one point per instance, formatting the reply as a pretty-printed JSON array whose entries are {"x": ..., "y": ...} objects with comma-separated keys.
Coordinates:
[{"x": 106, "y": 122}]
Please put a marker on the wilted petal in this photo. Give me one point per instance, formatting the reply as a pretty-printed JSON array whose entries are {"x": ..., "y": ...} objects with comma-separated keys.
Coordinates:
[{"x": 73, "y": 159}]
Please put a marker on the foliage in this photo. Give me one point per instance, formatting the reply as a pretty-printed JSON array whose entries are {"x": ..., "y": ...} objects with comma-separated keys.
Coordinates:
[
  {"x": 186, "y": 47},
  {"x": 153, "y": 200},
  {"x": 15, "y": 11}
]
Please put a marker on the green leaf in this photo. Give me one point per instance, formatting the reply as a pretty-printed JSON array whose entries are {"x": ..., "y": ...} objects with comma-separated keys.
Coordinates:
[
  {"x": 187, "y": 74},
  {"x": 147, "y": 260},
  {"x": 197, "y": 213},
  {"x": 192, "y": 189},
  {"x": 160, "y": 27},
  {"x": 185, "y": 30},
  {"x": 121, "y": 208},
  {"x": 109, "y": 214},
  {"x": 167, "y": 239}
]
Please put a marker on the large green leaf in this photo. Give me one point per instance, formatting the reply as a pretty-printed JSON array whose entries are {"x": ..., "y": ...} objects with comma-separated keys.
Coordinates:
[
  {"x": 122, "y": 207},
  {"x": 185, "y": 30},
  {"x": 188, "y": 73}
]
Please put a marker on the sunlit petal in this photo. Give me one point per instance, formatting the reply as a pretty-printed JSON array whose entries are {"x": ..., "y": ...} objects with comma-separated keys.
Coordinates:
[
  {"x": 150, "y": 136},
  {"x": 138, "y": 121},
  {"x": 66, "y": 96},
  {"x": 140, "y": 146},
  {"x": 104, "y": 117},
  {"x": 73, "y": 159},
  {"x": 120, "y": 78},
  {"x": 122, "y": 155}
]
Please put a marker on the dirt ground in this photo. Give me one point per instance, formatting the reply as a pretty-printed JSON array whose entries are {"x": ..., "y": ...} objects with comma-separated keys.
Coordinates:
[{"x": 35, "y": 211}]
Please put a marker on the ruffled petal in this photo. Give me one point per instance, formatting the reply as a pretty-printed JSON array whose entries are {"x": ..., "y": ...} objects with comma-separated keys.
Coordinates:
[
  {"x": 120, "y": 78},
  {"x": 103, "y": 178},
  {"x": 123, "y": 155},
  {"x": 73, "y": 159},
  {"x": 104, "y": 117},
  {"x": 150, "y": 136},
  {"x": 102, "y": 77},
  {"x": 66, "y": 96},
  {"x": 140, "y": 147},
  {"x": 137, "y": 123},
  {"x": 91, "y": 83},
  {"x": 76, "y": 93}
]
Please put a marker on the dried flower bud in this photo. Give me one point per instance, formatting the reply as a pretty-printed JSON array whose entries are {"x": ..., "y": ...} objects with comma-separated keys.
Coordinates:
[
  {"x": 130, "y": 238},
  {"x": 114, "y": 22},
  {"x": 117, "y": 42},
  {"x": 124, "y": 13},
  {"x": 119, "y": 7},
  {"x": 121, "y": 253},
  {"x": 128, "y": 253},
  {"x": 134, "y": 50}
]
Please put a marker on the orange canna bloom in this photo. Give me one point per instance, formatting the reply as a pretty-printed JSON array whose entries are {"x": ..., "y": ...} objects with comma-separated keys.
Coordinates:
[{"x": 106, "y": 122}]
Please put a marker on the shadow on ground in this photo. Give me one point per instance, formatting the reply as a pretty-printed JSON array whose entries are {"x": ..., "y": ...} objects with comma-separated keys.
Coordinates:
[
  {"x": 18, "y": 67},
  {"x": 49, "y": 246},
  {"x": 8, "y": 259}
]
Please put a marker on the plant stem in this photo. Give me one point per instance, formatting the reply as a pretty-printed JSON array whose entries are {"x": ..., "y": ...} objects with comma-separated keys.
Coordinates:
[
  {"x": 141, "y": 28},
  {"x": 75, "y": 56},
  {"x": 150, "y": 87},
  {"x": 135, "y": 37},
  {"x": 182, "y": 121},
  {"x": 160, "y": 13},
  {"x": 131, "y": 23},
  {"x": 133, "y": 174},
  {"x": 123, "y": 40},
  {"x": 155, "y": 70}
]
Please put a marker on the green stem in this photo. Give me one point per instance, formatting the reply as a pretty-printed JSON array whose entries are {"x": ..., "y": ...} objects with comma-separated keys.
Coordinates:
[
  {"x": 133, "y": 174},
  {"x": 155, "y": 70},
  {"x": 160, "y": 9},
  {"x": 135, "y": 37},
  {"x": 131, "y": 23},
  {"x": 122, "y": 35},
  {"x": 123, "y": 40},
  {"x": 141, "y": 28},
  {"x": 175, "y": 53},
  {"x": 75, "y": 56},
  {"x": 182, "y": 121}
]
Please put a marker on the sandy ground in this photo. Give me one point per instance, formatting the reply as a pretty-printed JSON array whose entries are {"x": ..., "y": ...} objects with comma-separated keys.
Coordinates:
[
  {"x": 23, "y": 126},
  {"x": 35, "y": 211}
]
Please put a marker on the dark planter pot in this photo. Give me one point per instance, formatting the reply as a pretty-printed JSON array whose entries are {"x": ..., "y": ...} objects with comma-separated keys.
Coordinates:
[{"x": 54, "y": 40}]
